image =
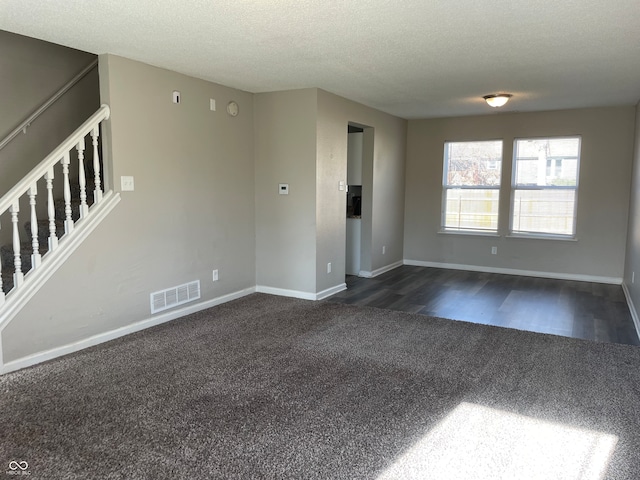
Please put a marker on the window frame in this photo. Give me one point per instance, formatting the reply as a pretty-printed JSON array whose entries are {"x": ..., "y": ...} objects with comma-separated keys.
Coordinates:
[
  {"x": 445, "y": 187},
  {"x": 515, "y": 187}
]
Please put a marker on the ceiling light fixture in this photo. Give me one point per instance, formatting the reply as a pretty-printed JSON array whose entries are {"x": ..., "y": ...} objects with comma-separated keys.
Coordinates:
[{"x": 497, "y": 99}]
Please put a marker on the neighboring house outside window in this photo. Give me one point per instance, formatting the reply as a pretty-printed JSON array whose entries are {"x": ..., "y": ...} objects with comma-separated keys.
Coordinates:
[
  {"x": 545, "y": 186},
  {"x": 471, "y": 186}
]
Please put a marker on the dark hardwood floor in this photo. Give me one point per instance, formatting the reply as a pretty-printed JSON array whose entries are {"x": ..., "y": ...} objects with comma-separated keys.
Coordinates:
[{"x": 592, "y": 311}]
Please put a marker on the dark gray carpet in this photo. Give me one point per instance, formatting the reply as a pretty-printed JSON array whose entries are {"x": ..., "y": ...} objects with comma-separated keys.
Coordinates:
[{"x": 270, "y": 387}]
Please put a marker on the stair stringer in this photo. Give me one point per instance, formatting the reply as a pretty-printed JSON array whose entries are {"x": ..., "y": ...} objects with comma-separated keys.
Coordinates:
[{"x": 52, "y": 261}]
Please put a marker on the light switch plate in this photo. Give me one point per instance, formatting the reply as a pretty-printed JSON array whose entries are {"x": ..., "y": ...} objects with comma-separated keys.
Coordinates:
[
  {"x": 126, "y": 184},
  {"x": 283, "y": 188}
]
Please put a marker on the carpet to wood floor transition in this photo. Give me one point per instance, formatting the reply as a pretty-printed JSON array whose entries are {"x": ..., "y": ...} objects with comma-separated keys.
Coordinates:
[{"x": 279, "y": 388}]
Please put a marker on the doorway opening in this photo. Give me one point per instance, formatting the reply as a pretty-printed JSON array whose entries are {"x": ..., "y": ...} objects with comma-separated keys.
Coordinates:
[{"x": 358, "y": 198}]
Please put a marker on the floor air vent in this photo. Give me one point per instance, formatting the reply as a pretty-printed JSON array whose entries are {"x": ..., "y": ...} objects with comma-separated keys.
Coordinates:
[{"x": 174, "y": 296}]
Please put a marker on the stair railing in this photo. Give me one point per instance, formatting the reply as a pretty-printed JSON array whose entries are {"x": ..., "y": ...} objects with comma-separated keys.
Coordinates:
[
  {"x": 10, "y": 202},
  {"x": 40, "y": 110}
]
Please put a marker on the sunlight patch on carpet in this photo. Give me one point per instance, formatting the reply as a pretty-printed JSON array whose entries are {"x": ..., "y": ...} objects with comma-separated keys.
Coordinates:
[{"x": 477, "y": 442}]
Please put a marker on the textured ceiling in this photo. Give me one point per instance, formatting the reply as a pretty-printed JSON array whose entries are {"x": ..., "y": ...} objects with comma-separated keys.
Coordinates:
[{"x": 411, "y": 58}]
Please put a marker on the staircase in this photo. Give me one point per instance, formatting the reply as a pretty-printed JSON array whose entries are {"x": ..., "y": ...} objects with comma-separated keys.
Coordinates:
[
  {"x": 44, "y": 237},
  {"x": 26, "y": 247}
]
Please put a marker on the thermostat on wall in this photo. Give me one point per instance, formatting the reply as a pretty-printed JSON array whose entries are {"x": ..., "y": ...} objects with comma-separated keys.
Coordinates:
[{"x": 283, "y": 189}]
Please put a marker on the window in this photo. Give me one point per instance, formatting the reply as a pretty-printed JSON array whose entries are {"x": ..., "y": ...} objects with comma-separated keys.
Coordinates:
[
  {"x": 471, "y": 186},
  {"x": 545, "y": 185}
]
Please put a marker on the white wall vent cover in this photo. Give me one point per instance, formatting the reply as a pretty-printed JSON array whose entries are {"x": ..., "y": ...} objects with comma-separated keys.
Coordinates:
[{"x": 174, "y": 296}]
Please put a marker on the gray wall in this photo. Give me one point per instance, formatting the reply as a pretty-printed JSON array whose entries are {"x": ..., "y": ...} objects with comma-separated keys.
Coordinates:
[
  {"x": 31, "y": 71},
  {"x": 603, "y": 198},
  {"x": 382, "y": 186},
  {"x": 192, "y": 210},
  {"x": 632, "y": 262},
  {"x": 285, "y": 152},
  {"x": 301, "y": 139}
]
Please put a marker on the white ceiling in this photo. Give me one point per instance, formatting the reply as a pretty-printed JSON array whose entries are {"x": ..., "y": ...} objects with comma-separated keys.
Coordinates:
[{"x": 411, "y": 58}]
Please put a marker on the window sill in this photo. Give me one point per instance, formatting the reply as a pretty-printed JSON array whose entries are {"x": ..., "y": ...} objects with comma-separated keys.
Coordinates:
[
  {"x": 469, "y": 233},
  {"x": 542, "y": 237}
]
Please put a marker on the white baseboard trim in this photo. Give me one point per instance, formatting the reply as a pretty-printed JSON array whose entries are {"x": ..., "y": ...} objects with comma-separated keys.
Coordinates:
[
  {"x": 52, "y": 261},
  {"x": 118, "y": 332},
  {"x": 331, "y": 291},
  {"x": 513, "y": 271},
  {"x": 632, "y": 308},
  {"x": 283, "y": 292},
  {"x": 381, "y": 270}
]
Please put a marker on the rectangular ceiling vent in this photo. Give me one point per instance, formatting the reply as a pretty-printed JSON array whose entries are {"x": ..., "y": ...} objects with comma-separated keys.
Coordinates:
[{"x": 174, "y": 296}]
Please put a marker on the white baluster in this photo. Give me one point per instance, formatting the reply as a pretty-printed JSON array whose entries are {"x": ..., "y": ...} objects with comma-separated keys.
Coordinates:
[
  {"x": 35, "y": 256},
  {"x": 84, "y": 209},
  {"x": 51, "y": 211},
  {"x": 97, "y": 192},
  {"x": 68, "y": 221},
  {"x": 1, "y": 289},
  {"x": 18, "y": 276}
]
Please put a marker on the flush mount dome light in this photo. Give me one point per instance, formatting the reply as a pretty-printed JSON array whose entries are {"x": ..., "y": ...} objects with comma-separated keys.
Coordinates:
[{"x": 498, "y": 99}]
